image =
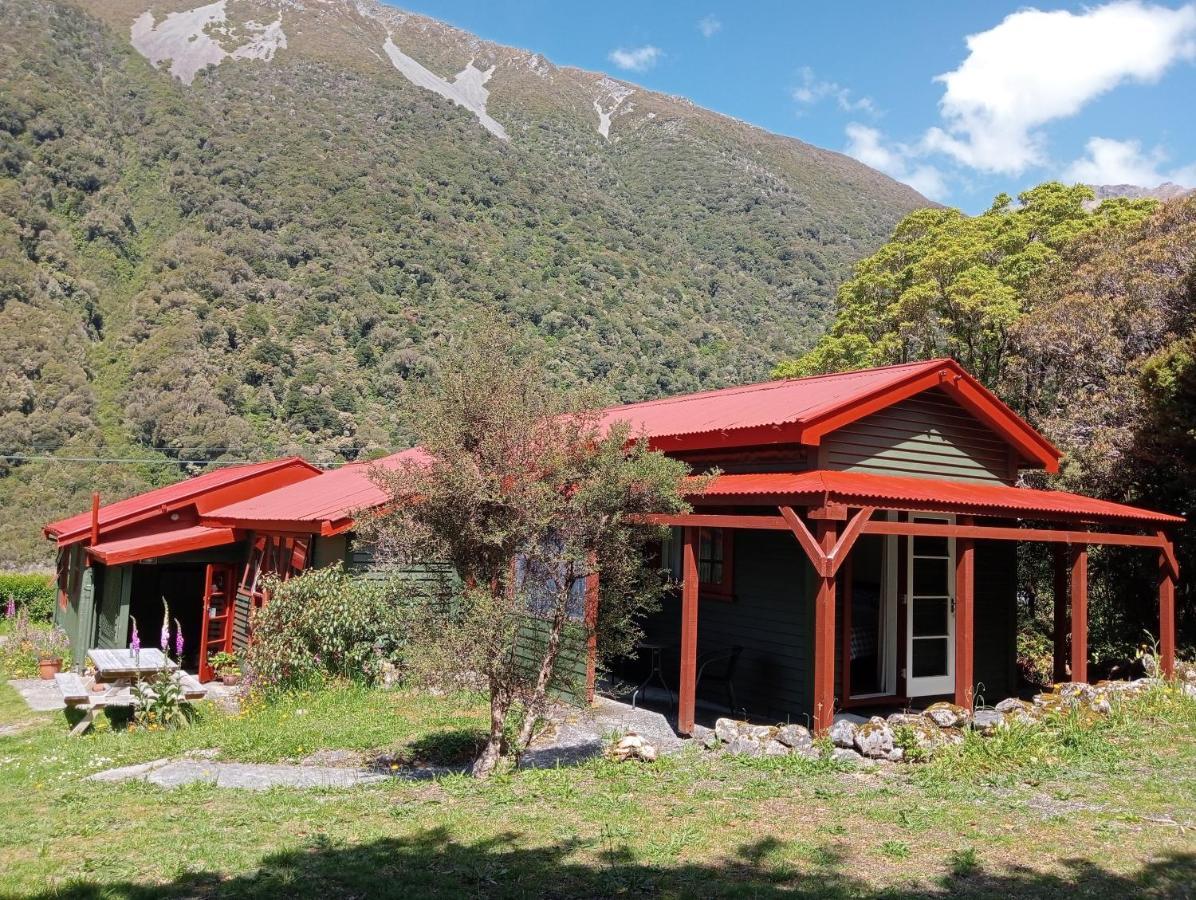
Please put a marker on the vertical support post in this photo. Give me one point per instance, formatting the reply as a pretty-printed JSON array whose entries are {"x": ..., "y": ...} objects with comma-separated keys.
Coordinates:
[
  {"x": 1079, "y": 612},
  {"x": 1062, "y": 626},
  {"x": 845, "y": 631},
  {"x": 1166, "y": 613},
  {"x": 592, "y": 585},
  {"x": 687, "y": 683},
  {"x": 824, "y": 635},
  {"x": 965, "y": 572},
  {"x": 95, "y": 524}
]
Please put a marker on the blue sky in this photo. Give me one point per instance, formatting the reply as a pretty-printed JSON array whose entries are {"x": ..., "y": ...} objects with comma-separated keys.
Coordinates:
[{"x": 961, "y": 100}]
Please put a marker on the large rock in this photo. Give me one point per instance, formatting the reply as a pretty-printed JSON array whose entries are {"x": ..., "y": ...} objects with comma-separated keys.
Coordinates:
[
  {"x": 776, "y": 748},
  {"x": 632, "y": 746},
  {"x": 874, "y": 738},
  {"x": 849, "y": 757},
  {"x": 947, "y": 715},
  {"x": 744, "y": 746},
  {"x": 987, "y": 721},
  {"x": 842, "y": 734},
  {"x": 917, "y": 735},
  {"x": 796, "y": 737},
  {"x": 726, "y": 730}
]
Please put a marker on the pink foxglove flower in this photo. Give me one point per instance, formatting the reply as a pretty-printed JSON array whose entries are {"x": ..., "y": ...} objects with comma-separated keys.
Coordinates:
[
  {"x": 178, "y": 639},
  {"x": 10, "y": 611},
  {"x": 135, "y": 640}
]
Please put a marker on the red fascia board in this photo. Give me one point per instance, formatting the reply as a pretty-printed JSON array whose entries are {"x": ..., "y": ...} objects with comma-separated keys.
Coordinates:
[
  {"x": 968, "y": 392},
  {"x": 789, "y": 433},
  {"x": 128, "y": 550},
  {"x": 272, "y": 526}
]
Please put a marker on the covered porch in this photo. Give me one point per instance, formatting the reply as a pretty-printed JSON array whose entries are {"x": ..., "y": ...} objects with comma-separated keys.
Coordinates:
[{"x": 930, "y": 604}]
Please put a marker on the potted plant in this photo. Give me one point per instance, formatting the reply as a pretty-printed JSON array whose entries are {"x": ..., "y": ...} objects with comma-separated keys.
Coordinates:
[
  {"x": 226, "y": 667},
  {"x": 51, "y": 646}
]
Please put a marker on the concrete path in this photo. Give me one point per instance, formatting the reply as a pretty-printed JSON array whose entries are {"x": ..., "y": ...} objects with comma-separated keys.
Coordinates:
[
  {"x": 172, "y": 773},
  {"x": 40, "y": 696}
]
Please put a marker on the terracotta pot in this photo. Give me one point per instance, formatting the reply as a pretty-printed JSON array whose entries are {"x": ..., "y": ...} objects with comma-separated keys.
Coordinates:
[
  {"x": 230, "y": 680},
  {"x": 49, "y": 666}
]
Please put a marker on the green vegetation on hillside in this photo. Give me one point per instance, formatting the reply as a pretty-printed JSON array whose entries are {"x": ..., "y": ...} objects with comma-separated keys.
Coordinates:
[{"x": 261, "y": 262}]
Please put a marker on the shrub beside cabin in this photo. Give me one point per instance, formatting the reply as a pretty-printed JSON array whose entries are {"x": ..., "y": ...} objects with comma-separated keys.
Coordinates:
[{"x": 858, "y": 547}]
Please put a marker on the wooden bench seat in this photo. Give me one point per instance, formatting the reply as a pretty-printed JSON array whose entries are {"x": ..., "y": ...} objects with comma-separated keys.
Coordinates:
[{"x": 74, "y": 691}]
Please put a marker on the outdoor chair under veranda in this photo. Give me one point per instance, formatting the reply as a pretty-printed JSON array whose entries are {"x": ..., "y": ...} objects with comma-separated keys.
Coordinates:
[{"x": 719, "y": 666}]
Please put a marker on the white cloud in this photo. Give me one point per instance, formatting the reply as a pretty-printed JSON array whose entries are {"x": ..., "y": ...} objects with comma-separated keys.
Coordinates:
[
  {"x": 636, "y": 59},
  {"x": 813, "y": 90},
  {"x": 895, "y": 160},
  {"x": 1035, "y": 67},
  {"x": 709, "y": 26},
  {"x": 1109, "y": 161}
]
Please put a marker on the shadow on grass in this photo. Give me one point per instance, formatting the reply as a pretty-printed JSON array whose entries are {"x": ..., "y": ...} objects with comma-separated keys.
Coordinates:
[
  {"x": 454, "y": 748},
  {"x": 432, "y": 864}
]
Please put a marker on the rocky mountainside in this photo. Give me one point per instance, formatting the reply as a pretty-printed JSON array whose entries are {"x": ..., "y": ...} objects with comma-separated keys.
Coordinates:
[
  {"x": 242, "y": 227},
  {"x": 1166, "y": 191}
]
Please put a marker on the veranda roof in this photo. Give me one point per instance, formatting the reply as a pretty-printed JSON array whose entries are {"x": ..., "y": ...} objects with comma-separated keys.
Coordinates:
[
  {"x": 164, "y": 541},
  {"x": 931, "y": 494}
]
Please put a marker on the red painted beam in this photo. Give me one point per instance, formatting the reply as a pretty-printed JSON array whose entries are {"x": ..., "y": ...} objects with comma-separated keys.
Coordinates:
[
  {"x": 1003, "y": 533},
  {"x": 809, "y": 543},
  {"x": 1079, "y": 613},
  {"x": 848, "y": 538},
  {"x": 1061, "y": 620},
  {"x": 824, "y": 638},
  {"x": 689, "y": 632},
  {"x": 592, "y": 587},
  {"x": 705, "y": 520},
  {"x": 965, "y": 570},
  {"x": 1166, "y": 613}
]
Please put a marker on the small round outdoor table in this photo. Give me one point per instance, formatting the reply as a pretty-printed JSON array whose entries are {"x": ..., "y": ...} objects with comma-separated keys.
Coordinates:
[{"x": 655, "y": 670}]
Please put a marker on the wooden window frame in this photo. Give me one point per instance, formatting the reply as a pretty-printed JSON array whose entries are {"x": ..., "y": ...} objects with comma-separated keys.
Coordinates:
[{"x": 724, "y": 589}]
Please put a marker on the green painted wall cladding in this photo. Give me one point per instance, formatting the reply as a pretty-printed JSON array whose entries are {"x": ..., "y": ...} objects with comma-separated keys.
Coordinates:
[{"x": 928, "y": 435}]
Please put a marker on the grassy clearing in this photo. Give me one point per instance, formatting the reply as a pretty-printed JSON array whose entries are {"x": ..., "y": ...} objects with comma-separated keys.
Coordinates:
[{"x": 1105, "y": 812}]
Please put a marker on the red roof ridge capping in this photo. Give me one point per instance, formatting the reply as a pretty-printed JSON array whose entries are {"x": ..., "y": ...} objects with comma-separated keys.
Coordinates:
[
  {"x": 803, "y": 410},
  {"x": 930, "y": 494},
  {"x": 159, "y": 500}
]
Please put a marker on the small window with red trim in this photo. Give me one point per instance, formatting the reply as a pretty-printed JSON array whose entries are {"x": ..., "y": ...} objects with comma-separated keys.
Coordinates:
[{"x": 715, "y": 563}]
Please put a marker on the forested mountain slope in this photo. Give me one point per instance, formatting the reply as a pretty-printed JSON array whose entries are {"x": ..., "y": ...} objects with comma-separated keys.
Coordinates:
[{"x": 240, "y": 228}]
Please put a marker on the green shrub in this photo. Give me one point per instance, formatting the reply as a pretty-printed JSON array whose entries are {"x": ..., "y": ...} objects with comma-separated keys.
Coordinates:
[
  {"x": 33, "y": 593},
  {"x": 325, "y": 623}
]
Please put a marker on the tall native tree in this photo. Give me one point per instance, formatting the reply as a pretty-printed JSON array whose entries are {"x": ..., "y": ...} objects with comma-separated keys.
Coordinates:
[
  {"x": 948, "y": 284},
  {"x": 532, "y": 499}
]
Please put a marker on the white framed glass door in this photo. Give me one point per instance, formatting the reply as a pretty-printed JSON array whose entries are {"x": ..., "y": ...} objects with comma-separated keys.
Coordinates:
[{"x": 930, "y": 612}]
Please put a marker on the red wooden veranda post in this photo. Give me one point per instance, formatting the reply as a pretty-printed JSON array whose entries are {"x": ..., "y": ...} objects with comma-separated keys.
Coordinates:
[
  {"x": 965, "y": 569},
  {"x": 1079, "y": 612},
  {"x": 824, "y": 632},
  {"x": 687, "y": 683},
  {"x": 1059, "y": 551},
  {"x": 1167, "y": 575}
]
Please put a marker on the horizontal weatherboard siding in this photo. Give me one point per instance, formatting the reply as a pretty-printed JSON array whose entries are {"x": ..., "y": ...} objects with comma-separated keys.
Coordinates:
[{"x": 928, "y": 435}]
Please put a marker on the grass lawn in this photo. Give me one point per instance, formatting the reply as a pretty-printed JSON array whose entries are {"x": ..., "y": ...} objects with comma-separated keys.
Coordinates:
[{"x": 1108, "y": 814}]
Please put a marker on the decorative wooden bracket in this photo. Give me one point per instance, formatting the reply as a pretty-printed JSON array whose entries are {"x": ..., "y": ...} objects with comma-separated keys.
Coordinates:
[
  {"x": 847, "y": 539},
  {"x": 808, "y": 543},
  {"x": 1168, "y": 549},
  {"x": 827, "y": 564}
]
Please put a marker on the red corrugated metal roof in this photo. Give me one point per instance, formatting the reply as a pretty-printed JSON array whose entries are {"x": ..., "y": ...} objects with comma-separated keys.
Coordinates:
[
  {"x": 759, "y": 405},
  {"x": 331, "y": 497},
  {"x": 923, "y": 493},
  {"x": 163, "y": 542},
  {"x": 801, "y": 410},
  {"x": 123, "y": 512}
]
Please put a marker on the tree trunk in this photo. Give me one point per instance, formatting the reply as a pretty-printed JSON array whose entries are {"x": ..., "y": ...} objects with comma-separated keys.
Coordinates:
[
  {"x": 483, "y": 766},
  {"x": 534, "y": 707}
]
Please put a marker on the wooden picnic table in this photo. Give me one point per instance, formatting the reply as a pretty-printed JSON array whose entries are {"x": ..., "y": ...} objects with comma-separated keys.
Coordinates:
[
  {"x": 111, "y": 665},
  {"x": 78, "y": 692}
]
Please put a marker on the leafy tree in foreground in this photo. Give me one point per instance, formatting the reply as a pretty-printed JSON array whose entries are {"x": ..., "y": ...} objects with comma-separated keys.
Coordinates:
[{"x": 528, "y": 495}]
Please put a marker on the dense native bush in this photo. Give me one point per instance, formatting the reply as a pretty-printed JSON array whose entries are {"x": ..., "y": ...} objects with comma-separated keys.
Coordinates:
[
  {"x": 326, "y": 623},
  {"x": 32, "y": 593}
]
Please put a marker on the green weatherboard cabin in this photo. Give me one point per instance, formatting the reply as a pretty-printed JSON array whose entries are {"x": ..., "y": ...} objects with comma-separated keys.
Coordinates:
[{"x": 856, "y": 548}]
